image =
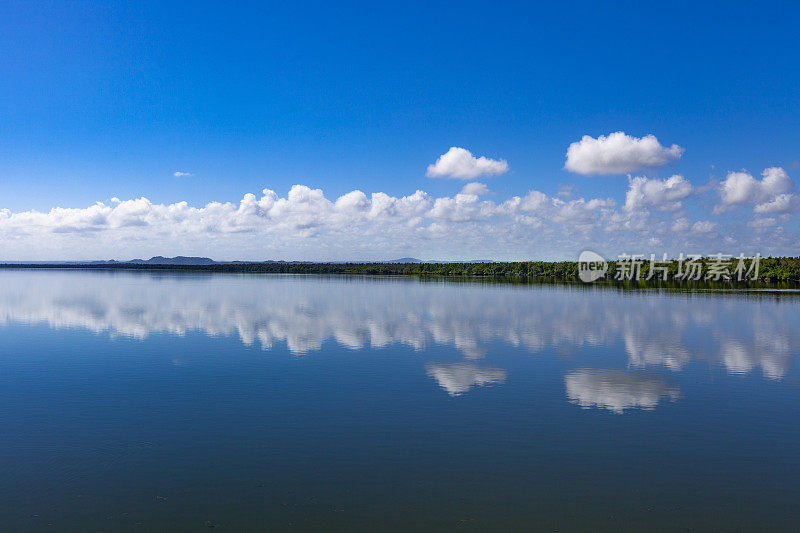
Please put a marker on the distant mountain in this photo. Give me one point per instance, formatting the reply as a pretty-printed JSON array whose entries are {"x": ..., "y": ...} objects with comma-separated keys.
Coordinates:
[
  {"x": 178, "y": 260},
  {"x": 403, "y": 260}
]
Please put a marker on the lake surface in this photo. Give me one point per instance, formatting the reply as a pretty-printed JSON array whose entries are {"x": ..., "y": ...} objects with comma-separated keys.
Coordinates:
[{"x": 153, "y": 402}]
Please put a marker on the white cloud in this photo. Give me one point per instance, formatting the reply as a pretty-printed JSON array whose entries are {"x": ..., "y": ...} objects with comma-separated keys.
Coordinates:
[
  {"x": 782, "y": 203},
  {"x": 304, "y": 224},
  {"x": 618, "y": 153},
  {"x": 579, "y": 214},
  {"x": 352, "y": 201},
  {"x": 179, "y": 174},
  {"x": 773, "y": 193},
  {"x": 566, "y": 191},
  {"x": 703, "y": 226},
  {"x": 664, "y": 195},
  {"x": 475, "y": 188},
  {"x": 762, "y": 222},
  {"x": 461, "y": 164},
  {"x": 681, "y": 225},
  {"x": 462, "y": 207}
]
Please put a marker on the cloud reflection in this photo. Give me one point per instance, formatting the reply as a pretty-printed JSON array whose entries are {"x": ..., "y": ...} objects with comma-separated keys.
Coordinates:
[
  {"x": 458, "y": 378},
  {"x": 738, "y": 334},
  {"x": 617, "y": 390}
]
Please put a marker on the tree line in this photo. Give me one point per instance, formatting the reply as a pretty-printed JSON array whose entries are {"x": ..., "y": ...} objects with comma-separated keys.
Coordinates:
[{"x": 771, "y": 269}]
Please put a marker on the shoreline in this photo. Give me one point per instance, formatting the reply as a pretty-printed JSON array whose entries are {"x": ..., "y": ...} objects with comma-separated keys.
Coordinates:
[{"x": 771, "y": 277}]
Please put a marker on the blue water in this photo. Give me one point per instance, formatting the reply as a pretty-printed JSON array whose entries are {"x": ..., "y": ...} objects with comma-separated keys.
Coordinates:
[{"x": 179, "y": 402}]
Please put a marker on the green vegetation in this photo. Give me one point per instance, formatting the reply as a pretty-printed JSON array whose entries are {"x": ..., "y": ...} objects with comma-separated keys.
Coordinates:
[{"x": 771, "y": 269}]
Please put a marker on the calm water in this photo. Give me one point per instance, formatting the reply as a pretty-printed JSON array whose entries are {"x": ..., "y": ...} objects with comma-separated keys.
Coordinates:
[{"x": 140, "y": 401}]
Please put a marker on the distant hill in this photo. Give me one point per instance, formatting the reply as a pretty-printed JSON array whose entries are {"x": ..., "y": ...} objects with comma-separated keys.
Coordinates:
[
  {"x": 192, "y": 261},
  {"x": 415, "y": 260},
  {"x": 404, "y": 260},
  {"x": 157, "y": 260},
  {"x": 177, "y": 260}
]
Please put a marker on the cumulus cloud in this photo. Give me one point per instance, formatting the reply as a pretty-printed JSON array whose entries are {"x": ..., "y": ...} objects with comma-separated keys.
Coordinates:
[
  {"x": 475, "y": 188},
  {"x": 686, "y": 226},
  {"x": 304, "y": 224},
  {"x": 762, "y": 222},
  {"x": 303, "y": 217},
  {"x": 664, "y": 195},
  {"x": 681, "y": 224},
  {"x": 462, "y": 207},
  {"x": 782, "y": 203},
  {"x": 772, "y": 194},
  {"x": 459, "y": 163},
  {"x": 618, "y": 153},
  {"x": 179, "y": 174},
  {"x": 703, "y": 226}
]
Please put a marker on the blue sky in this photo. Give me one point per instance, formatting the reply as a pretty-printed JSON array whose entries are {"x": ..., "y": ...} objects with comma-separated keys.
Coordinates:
[{"x": 109, "y": 100}]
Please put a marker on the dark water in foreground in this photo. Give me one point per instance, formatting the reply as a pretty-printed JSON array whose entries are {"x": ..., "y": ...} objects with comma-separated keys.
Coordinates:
[{"x": 146, "y": 402}]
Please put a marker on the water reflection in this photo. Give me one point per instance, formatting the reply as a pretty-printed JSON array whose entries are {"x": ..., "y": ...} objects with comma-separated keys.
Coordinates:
[
  {"x": 458, "y": 378},
  {"x": 656, "y": 330},
  {"x": 617, "y": 390}
]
